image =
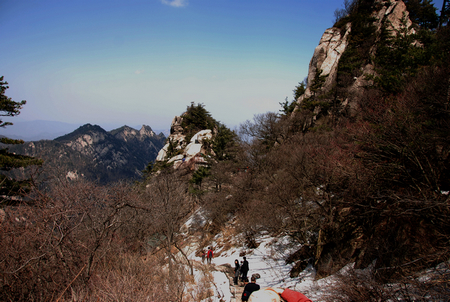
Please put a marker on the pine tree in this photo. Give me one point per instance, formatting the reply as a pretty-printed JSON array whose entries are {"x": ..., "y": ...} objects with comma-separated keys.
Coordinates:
[
  {"x": 445, "y": 13},
  {"x": 423, "y": 13},
  {"x": 9, "y": 186}
]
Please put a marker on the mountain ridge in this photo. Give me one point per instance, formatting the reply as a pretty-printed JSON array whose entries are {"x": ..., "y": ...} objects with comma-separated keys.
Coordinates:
[
  {"x": 93, "y": 153},
  {"x": 48, "y": 130}
]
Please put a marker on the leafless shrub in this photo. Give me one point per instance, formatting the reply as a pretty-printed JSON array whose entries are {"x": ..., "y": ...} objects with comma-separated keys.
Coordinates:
[
  {"x": 364, "y": 285},
  {"x": 56, "y": 244},
  {"x": 265, "y": 128},
  {"x": 129, "y": 277},
  {"x": 167, "y": 203},
  {"x": 349, "y": 7},
  {"x": 202, "y": 289}
]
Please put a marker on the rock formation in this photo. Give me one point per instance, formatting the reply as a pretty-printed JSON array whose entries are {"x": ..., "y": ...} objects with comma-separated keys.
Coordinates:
[
  {"x": 388, "y": 16},
  {"x": 335, "y": 41},
  {"x": 188, "y": 153},
  {"x": 326, "y": 58}
]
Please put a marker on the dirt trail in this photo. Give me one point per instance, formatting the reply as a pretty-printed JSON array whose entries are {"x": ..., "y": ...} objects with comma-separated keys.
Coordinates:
[{"x": 236, "y": 290}]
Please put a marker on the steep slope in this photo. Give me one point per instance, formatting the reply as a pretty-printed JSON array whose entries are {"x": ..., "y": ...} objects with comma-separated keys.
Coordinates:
[
  {"x": 376, "y": 78},
  {"x": 340, "y": 191},
  {"x": 361, "y": 179},
  {"x": 343, "y": 64}
]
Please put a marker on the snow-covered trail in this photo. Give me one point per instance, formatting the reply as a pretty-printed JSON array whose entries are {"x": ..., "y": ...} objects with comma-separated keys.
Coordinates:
[{"x": 267, "y": 260}]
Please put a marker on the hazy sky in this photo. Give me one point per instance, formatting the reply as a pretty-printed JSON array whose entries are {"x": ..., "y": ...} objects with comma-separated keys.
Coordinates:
[{"x": 140, "y": 62}]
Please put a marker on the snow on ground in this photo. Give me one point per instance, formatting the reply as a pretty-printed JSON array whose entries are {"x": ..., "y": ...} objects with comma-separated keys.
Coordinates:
[
  {"x": 267, "y": 260},
  {"x": 222, "y": 286}
]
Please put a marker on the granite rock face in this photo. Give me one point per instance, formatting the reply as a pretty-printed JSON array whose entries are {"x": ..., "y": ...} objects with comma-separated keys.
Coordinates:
[
  {"x": 335, "y": 41},
  {"x": 188, "y": 153}
]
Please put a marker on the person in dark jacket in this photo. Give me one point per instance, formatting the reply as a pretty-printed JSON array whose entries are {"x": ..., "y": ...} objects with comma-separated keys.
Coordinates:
[
  {"x": 203, "y": 256},
  {"x": 249, "y": 289},
  {"x": 237, "y": 271},
  {"x": 244, "y": 270}
]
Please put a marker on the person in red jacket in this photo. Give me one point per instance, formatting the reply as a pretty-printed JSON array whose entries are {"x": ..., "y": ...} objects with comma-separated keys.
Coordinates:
[
  {"x": 293, "y": 296},
  {"x": 209, "y": 255}
]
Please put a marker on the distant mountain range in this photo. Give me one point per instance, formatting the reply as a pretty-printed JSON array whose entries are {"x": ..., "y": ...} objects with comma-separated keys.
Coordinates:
[
  {"x": 93, "y": 153},
  {"x": 39, "y": 130}
]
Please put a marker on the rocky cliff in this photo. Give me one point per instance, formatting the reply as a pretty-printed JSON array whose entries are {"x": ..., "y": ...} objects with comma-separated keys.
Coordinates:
[
  {"x": 322, "y": 84},
  {"x": 363, "y": 67}
]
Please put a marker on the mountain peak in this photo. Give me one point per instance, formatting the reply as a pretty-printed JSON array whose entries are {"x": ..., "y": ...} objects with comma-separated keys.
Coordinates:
[
  {"x": 126, "y": 133},
  {"x": 124, "y": 128},
  {"x": 147, "y": 131},
  {"x": 85, "y": 129}
]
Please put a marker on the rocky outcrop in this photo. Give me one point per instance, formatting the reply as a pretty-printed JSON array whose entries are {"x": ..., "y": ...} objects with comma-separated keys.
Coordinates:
[
  {"x": 175, "y": 127},
  {"x": 336, "y": 246},
  {"x": 183, "y": 152},
  {"x": 335, "y": 41},
  {"x": 394, "y": 13},
  {"x": 326, "y": 58}
]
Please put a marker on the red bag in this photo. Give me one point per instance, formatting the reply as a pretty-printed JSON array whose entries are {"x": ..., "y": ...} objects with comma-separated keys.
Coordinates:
[{"x": 293, "y": 296}]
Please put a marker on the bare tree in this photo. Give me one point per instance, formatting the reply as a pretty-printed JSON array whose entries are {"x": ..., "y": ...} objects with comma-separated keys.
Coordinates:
[
  {"x": 56, "y": 244},
  {"x": 349, "y": 7},
  {"x": 168, "y": 204},
  {"x": 265, "y": 128}
]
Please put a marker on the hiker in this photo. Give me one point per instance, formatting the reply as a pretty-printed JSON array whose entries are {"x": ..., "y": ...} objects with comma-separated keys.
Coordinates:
[
  {"x": 237, "y": 271},
  {"x": 266, "y": 294},
  {"x": 209, "y": 255},
  {"x": 249, "y": 289},
  {"x": 203, "y": 256},
  {"x": 244, "y": 270}
]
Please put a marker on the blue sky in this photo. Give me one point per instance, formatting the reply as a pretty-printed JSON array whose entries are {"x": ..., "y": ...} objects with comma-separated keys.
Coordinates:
[{"x": 134, "y": 62}]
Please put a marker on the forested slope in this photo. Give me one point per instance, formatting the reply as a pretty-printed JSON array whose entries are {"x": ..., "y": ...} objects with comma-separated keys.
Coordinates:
[{"x": 356, "y": 169}]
